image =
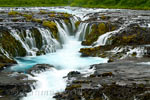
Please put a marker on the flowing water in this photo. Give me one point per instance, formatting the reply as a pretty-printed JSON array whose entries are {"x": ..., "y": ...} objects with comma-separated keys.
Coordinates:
[{"x": 65, "y": 60}]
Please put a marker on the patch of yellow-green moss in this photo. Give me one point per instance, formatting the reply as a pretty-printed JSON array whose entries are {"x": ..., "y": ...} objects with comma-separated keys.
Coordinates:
[
  {"x": 52, "y": 15},
  {"x": 13, "y": 13},
  {"x": 97, "y": 30},
  {"x": 52, "y": 26},
  {"x": 42, "y": 12},
  {"x": 77, "y": 24},
  {"x": 37, "y": 20},
  {"x": 28, "y": 16},
  {"x": 11, "y": 45}
]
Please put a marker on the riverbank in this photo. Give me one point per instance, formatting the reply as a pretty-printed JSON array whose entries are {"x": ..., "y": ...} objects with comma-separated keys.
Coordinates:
[{"x": 121, "y": 80}]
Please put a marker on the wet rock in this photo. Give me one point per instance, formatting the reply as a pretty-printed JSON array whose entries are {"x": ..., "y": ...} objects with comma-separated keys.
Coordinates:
[
  {"x": 39, "y": 68},
  {"x": 73, "y": 74},
  {"x": 14, "y": 85},
  {"x": 122, "y": 80}
]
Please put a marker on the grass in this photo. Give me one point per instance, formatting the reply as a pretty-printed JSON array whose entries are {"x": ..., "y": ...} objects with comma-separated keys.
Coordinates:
[{"x": 125, "y": 4}]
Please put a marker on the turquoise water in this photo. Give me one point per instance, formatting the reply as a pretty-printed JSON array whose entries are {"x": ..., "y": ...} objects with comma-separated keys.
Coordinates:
[{"x": 52, "y": 81}]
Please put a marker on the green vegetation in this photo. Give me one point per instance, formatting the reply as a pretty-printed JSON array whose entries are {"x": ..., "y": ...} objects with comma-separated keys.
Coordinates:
[
  {"x": 52, "y": 26},
  {"x": 13, "y": 13},
  {"x": 97, "y": 30},
  {"x": 130, "y": 4}
]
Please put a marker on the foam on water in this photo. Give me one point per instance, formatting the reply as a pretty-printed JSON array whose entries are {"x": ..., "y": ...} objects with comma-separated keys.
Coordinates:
[{"x": 65, "y": 60}]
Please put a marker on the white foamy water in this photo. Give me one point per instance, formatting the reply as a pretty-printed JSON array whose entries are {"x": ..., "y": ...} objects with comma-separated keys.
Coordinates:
[{"x": 65, "y": 60}]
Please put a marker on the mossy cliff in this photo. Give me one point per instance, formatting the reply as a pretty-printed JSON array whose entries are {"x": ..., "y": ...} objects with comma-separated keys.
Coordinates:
[
  {"x": 11, "y": 45},
  {"x": 132, "y": 35},
  {"x": 97, "y": 30},
  {"x": 122, "y": 42}
]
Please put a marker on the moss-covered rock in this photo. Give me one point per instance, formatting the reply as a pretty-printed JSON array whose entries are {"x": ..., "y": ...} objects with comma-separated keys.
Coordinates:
[
  {"x": 53, "y": 27},
  {"x": 11, "y": 45},
  {"x": 77, "y": 24},
  {"x": 37, "y": 20},
  {"x": 13, "y": 13},
  {"x": 28, "y": 16},
  {"x": 38, "y": 37},
  {"x": 132, "y": 35},
  {"x": 97, "y": 30}
]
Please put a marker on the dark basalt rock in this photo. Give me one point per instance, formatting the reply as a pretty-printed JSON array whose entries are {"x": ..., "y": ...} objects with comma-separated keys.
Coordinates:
[
  {"x": 122, "y": 80},
  {"x": 13, "y": 86},
  {"x": 73, "y": 74},
  {"x": 39, "y": 68}
]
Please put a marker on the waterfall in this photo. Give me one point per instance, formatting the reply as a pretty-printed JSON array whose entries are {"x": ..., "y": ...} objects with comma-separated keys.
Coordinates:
[
  {"x": 72, "y": 20},
  {"x": 5, "y": 53},
  {"x": 65, "y": 27},
  {"x": 80, "y": 35},
  {"x": 49, "y": 44},
  {"x": 15, "y": 34},
  {"x": 63, "y": 35},
  {"x": 102, "y": 40}
]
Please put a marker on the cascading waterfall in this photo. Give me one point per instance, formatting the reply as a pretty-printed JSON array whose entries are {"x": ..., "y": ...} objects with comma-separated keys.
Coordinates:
[
  {"x": 102, "y": 40},
  {"x": 80, "y": 35},
  {"x": 4, "y": 52},
  {"x": 63, "y": 35},
  {"x": 65, "y": 60},
  {"x": 49, "y": 44},
  {"x": 15, "y": 34}
]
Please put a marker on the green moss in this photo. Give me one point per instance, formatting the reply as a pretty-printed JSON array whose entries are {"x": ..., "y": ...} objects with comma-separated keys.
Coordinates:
[
  {"x": 37, "y": 20},
  {"x": 97, "y": 30},
  {"x": 13, "y": 13},
  {"x": 101, "y": 28},
  {"x": 77, "y": 24},
  {"x": 38, "y": 37},
  {"x": 11, "y": 45},
  {"x": 66, "y": 15},
  {"x": 52, "y": 26},
  {"x": 27, "y": 16},
  {"x": 42, "y": 12},
  {"x": 123, "y": 40},
  {"x": 52, "y": 15},
  {"x": 66, "y": 21}
]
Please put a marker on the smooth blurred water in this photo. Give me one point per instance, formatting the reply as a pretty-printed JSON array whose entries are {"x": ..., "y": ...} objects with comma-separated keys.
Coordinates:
[{"x": 65, "y": 60}]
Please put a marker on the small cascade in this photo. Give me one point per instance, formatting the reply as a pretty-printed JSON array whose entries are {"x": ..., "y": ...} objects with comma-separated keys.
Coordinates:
[
  {"x": 30, "y": 40},
  {"x": 64, "y": 26},
  {"x": 80, "y": 35},
  {"x": 49, "y": 44},
  {"x": 15, "y": 34},
  {"x": 102, "y": 40},
  {"x": 73, "y": 21},
  {"x": 4, "y": 53},
  {"x": 63, "y": 35}
]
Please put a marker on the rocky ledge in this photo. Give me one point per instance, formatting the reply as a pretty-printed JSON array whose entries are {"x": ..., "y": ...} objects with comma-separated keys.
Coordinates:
[
  {"x": 13, "y": 86},
  {"x": 122, "y": 80}
]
